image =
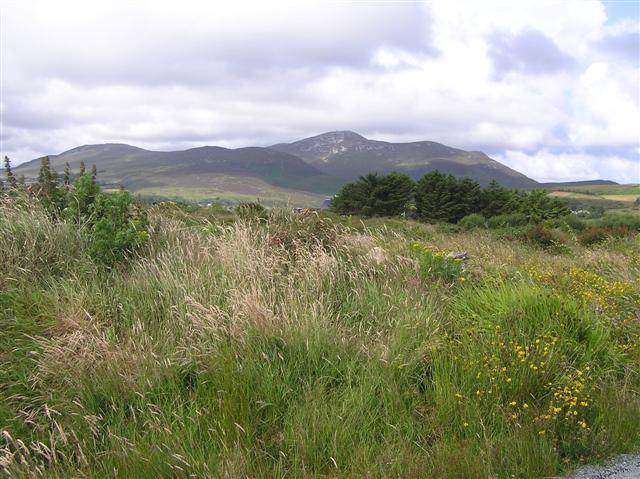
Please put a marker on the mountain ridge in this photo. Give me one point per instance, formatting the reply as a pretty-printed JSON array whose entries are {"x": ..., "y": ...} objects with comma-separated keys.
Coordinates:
[
  {"x": 347, "y": 155},
  {"x": 312, "y": 167}
]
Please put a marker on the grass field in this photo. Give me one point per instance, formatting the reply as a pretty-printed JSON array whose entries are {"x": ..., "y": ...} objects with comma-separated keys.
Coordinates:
[
  {"x": 619, "y": 193},
  {"x": 266, "y": 196},
  {"x": 313, "y": 346}
]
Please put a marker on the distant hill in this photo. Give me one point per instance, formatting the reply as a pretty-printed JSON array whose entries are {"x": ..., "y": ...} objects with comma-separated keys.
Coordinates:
[
  {"x": 206, "y": 172},
  {"x": 570, "y": 184},
  {"x": 303, "y": 172},
  {"x": 347, "y": 155}
]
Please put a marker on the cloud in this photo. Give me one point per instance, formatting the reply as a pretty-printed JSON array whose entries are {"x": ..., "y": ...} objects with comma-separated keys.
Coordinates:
[
  {"x": 606, "y": 106},
  {"x": 546, "y": 166},
  {"x": 492, "y": 76},
  {"x": 621, "y": 41},
  {"x": 529, "y": 51}
]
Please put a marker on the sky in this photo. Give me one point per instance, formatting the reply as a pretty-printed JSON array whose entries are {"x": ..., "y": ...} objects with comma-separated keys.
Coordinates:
[{"x": 550, "y": 88}]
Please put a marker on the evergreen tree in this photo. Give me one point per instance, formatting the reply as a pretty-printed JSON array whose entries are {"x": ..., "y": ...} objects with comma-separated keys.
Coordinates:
[
  {"x": 94, "y": 173},
  {"x": 495, "y": 200},
  {"x": 52, "y": 197},
  {"x": 538, "y": 205},
  {"x": 441, "y": 197},
  {"x": 373, "y": 195},
  {"x": 46, "y": 181},
  {"x": 66, "y": 179},
  {"x": 11, "y": 179},
  {"x": 393, "y": 194}
]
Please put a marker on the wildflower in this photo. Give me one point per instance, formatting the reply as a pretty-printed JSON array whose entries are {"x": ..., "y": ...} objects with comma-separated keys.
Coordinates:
[
  {"x": 508, "y": 380},
  {"x": 525, "y": 406},
  {"x": 542, "y": 433},
  {"x": 513, "y": 403},
  {"x": 465, "y": 424}
]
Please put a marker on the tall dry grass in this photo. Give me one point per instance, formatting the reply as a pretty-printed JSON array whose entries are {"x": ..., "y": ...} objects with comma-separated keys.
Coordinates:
[{"x": 301, "y": 347}]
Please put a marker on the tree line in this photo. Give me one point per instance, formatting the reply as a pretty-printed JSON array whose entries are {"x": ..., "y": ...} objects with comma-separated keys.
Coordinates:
[{"x": 439, "y": 197}]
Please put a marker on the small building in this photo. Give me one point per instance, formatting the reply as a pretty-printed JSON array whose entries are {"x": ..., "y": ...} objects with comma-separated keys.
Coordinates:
[{"x": 326, "y": 203}]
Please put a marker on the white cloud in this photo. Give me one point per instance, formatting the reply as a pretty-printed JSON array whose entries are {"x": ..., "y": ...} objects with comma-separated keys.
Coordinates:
[
  {"x": 545, "y": 166},
  {"x": 606, "y": 107},
  {"x": 170, "y": 75}
]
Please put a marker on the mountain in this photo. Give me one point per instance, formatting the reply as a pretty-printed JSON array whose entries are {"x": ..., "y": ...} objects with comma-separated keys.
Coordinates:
[
  {"x": 301, "y": 173},
  {"x": 200, "y": 173},
  {"x": 347, "y": 155}
]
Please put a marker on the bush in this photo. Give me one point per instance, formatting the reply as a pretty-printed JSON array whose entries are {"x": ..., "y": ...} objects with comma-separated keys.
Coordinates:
[
  {"x": 571, "y": 222},
  {"x": 546, "y": 237},
  {"x": 599, "y": 234},
  {"x": 436, "y": 265},
  {"x": 119, "y": 228},
  {"x": 251, "y": 210},
  {"x": 508, "y": 220},
  {"x": 472, "y": 221},
  {"x": 631, "y": 221}
]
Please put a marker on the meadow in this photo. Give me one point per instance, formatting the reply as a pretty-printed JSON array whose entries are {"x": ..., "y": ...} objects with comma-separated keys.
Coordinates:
[{"x": 267, "y": 344}]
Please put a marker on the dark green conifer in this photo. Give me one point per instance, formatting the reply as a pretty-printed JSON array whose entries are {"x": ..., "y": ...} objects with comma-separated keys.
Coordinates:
[{"x": 11, "y": 179}]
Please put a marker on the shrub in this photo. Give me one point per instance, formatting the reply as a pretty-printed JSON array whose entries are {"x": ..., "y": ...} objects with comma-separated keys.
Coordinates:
[
  {"x": 631, "y": 221},
  {"x": 598, "y": 234},
  {"x": 507, "y": 220},
  {"x": 436, "y": 265},
  {"x": 572, "y": 222},
  {"x": 119, "y": 227},
  {"x": 472, "y": 221},
  {"x": 546, "y": 237},
  {"x": 251, "y": 210},
  {"x": 81, "y": 199}
]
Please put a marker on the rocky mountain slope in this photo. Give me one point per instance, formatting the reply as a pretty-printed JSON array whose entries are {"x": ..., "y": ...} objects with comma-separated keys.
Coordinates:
[
  {"x": 301, "y": 172},
  {"x": 347, "y": 155}
]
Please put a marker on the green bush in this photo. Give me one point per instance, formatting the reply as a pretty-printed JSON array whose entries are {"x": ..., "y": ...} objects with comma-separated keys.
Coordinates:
[
  {"x": 436, "y": 265},
  {"x": 119, "y": 228},
  {"x": 507, "y": 220},
  {"x": 472, "y": 221},
  {"x": 569, "y": 222},
  {"x": 631, "y": 221}
]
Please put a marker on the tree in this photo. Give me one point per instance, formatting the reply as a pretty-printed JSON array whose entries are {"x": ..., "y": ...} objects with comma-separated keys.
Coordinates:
[
  {"x": 82, "y": 168},
  {"x": 94, "y": 173},
  {"x": 538, "y": 205},
  {"x": 52, "y": 197},
  {"x": 373, "y": 195},
  {"x": 394, "y": 194},
  {"x": 81, "y": 199},
  {"x": 67, "y": 176},
  {"x": 11, "y": 179},
  {"x": 441, "y": 197},
  {"x": 495, "y": 200}
]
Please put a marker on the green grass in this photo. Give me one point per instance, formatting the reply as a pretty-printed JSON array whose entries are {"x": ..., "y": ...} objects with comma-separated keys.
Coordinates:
[
  {"x": 271, "y": 196},
  {"x": 313, "y": 346}
]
